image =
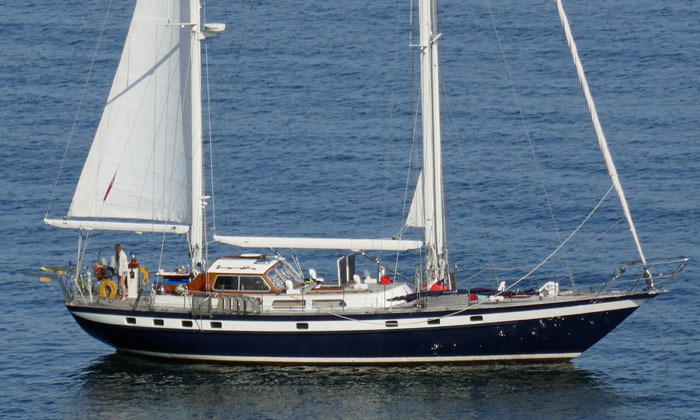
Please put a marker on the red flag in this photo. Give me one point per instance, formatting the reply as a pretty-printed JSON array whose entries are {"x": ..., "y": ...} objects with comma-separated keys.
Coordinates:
[{"x": 110, "y": 187}]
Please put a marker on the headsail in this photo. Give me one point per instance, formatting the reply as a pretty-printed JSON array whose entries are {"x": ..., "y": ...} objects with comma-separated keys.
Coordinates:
[
  {"x": 139, "y": 165},
  {"x": 602, "y": 142},
  {"x": 416, "y": 216}
]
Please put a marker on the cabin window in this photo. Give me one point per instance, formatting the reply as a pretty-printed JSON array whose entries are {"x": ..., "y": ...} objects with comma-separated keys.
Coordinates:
[
  {"x": 276, "y": 279},
  {"x": 240, "y": 283},
  {"x": 226, "y": 283},
  {"x": 284, "y": 272},
  {"x": 253, "y": 283},
  {"x": 281, "y": 274}
]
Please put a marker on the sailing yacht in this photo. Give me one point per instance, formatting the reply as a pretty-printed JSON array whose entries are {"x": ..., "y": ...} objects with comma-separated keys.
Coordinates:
[{"x": 144, "y": 174}]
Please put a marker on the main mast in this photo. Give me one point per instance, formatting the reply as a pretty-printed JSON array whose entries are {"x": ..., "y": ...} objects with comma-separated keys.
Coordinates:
[
  {"x": 196, "y": 231},
  {"x": 433, "y": 210}
]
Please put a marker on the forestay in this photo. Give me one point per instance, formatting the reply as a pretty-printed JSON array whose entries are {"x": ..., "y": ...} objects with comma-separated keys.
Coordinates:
[{"x": 602, "y": 142}]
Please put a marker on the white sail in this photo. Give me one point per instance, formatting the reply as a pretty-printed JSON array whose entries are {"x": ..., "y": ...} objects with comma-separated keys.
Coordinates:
[
  {"x": 416, "y": 213},
  {"x": 139, "y": 165},
  {"x": 431, "y": 176},
  {"x": 602, "y": 142}
]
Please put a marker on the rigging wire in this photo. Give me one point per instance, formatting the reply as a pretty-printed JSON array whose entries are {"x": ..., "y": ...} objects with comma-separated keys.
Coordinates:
[
  {"x": 561, "y": 245},
  {"x": 211, "y": 158},
  {"x": 475, "y": 202},
  {"x": 495, "y": 270},
  {"x": 445, "y": 98},
  {"x": 414, "y": 113},
  {"x": 162, "y": 250},
  {"x": 235, "y": 57},
  {"x": 209, "y": 134},
  {"x": 549, "y": 257},
  {"x": 80, "y": 104},
  {"x": 387, "y": 153},
  {"x": 595, "y": 239},
  {"x": 529, "y": 138},
  {"x": 537, "y": 267},
  {"x": 543, "y": 262}
]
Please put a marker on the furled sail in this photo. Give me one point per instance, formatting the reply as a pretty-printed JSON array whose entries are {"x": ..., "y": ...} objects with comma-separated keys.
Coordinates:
[
  {"x": 431, "y": 182},
  {"x": 602, "y": 142},
  {"x": 139, "y": 165},
  {"x": 320, "y": 243}
]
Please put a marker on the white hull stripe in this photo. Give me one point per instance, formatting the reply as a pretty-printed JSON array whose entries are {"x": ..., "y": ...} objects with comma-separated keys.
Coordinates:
[
  {"x": 360, "y": 360},
  {"x": 347, "y": 323}
]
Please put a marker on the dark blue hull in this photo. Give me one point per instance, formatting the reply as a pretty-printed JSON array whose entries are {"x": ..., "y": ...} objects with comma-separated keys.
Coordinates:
[{"x": 560, "y": 337}]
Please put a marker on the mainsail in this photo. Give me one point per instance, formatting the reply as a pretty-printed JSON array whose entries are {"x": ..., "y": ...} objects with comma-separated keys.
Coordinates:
[{"x": 139, "y": 165}]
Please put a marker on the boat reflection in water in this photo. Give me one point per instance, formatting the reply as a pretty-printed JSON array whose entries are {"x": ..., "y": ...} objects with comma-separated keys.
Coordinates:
[{"x": 119, "y": 385}]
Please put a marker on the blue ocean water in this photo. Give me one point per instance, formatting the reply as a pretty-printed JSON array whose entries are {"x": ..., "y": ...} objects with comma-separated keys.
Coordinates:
[{"x": 311, "y": 109}]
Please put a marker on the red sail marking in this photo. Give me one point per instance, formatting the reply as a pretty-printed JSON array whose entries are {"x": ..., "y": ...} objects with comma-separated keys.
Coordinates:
[{"x": 110, "y": 187}]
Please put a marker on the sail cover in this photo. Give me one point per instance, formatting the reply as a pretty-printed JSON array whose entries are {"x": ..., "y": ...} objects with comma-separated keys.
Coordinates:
[{"x": 139, "y": 165}]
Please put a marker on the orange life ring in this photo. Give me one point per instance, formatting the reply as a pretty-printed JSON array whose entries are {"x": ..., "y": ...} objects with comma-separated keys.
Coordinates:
[
  {"x": 144, "y": 273},
  {"x": 112, "y": 289}
]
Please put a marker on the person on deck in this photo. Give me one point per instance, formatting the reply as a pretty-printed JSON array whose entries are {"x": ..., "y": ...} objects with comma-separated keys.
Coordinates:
[{"x": 122, "y": 268}]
